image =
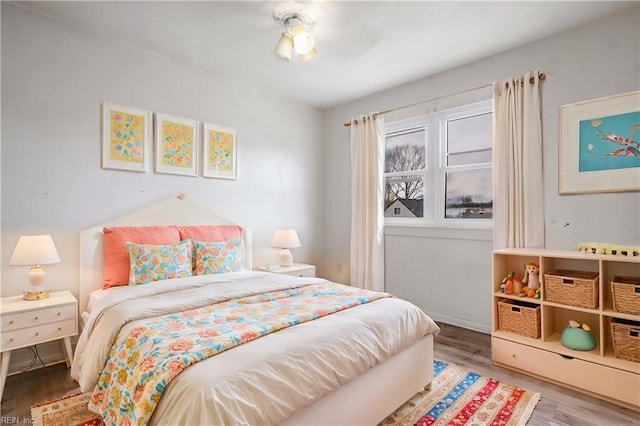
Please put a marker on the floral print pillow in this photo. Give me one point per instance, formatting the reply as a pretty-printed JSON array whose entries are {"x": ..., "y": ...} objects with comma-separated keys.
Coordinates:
[
  {"x": 219, "y": 257},
  {"x": 154, "y": 262}
]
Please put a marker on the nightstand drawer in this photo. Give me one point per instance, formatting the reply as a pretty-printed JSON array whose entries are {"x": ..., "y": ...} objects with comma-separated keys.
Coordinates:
[
  {"x": 37, "y": 334},
  {"x": 36, "y": 317},
  {"x": 295, "y": 270},
  {"x": 309, "y": 272}
]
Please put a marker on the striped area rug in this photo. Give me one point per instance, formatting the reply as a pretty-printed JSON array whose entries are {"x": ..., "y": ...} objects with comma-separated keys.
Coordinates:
[
  {"x": 457, "y": 397},
  {"x": 460, "y": 397}
]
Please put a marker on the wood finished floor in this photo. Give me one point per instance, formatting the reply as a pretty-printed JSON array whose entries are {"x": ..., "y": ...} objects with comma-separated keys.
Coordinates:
[{"x": 469, "y": 349}]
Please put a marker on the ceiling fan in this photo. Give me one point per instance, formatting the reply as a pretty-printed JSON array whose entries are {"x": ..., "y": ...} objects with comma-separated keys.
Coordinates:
[{"x": 341, "y": 30}]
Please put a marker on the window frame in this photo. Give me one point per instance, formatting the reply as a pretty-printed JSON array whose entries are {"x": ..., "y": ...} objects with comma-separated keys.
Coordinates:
[{"x": 435, "y": 125}]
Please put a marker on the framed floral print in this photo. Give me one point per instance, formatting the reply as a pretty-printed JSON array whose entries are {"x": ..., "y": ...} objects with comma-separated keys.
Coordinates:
[
  {"x": 126, "y": 137},
  {"x": 600, "y": 145},
  {"x": 176, "y": 145},
  {"x": 220, "y": 152}
]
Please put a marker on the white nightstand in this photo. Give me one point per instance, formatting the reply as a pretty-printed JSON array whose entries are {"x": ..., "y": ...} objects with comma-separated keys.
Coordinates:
[
  {"x": 297, "y": 270},
  {"x": 29, "y": 322}
]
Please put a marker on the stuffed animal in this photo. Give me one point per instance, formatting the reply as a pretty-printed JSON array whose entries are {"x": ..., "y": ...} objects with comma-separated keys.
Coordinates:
[
  {"x": 531, "y": 276},
  {"x": 511, "y": 284}
]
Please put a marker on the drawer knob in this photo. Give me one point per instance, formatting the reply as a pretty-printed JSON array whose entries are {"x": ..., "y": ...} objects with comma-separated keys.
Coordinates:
[
  {"x": 513, "y": 355},
  {"x": 36, "y": 318},
  {"x": 59, "y": 313},
  {"x": 37, "y": 334},
  {"x": 59, "y": 328},
  {"x": 11, "y": 340},
  {"x": 11, "y": 322}
]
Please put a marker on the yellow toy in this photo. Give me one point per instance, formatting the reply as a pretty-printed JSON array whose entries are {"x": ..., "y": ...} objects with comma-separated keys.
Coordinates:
[{"x": 608, "y": 248}]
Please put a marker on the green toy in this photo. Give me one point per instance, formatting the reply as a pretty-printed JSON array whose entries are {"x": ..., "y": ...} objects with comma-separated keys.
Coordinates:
[{"x": 578, "y": 337}]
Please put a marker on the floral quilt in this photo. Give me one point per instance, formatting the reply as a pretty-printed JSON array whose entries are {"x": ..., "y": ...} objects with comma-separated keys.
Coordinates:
[{"x": 143, "y": 362}]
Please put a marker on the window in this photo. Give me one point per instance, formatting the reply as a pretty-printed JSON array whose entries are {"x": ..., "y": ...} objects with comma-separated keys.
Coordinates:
[
  {"x": 405, "y": 163},
  {"x": 438, "y": 168}
]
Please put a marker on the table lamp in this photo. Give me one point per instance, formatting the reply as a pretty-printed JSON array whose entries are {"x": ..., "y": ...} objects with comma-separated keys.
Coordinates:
[
  {"x": 285, "y": 239},
  {"x": 35, "y": 250}
]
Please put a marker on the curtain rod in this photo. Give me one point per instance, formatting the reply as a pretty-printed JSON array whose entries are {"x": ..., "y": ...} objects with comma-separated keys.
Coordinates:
[{"x": 542, "y": 77}]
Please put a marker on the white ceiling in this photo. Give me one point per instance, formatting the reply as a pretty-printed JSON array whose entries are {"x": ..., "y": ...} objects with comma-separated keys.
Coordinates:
[{"x": 363, "y": 47}]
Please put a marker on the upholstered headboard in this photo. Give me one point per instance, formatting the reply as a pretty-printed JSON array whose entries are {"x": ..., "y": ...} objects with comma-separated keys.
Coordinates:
[{"x": 179, "y": 210}]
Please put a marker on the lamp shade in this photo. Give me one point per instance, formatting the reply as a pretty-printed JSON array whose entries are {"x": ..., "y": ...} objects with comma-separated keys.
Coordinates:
[
  {"x": 35, "y": 250},
  {"x": 284, "y": 47},
  {"x": 310, "y": 55},
  {"x": 285, "y": 238},
  {"x": 302, "y": 40}
]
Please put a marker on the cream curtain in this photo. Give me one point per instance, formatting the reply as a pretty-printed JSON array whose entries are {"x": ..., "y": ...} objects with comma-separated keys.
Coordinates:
[
  {"x": 518, "y": 203},
  {"x": 367, "y": 202}
]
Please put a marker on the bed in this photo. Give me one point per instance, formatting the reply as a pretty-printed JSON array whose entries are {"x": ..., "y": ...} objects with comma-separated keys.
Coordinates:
[{"x": 351, "y": 367}]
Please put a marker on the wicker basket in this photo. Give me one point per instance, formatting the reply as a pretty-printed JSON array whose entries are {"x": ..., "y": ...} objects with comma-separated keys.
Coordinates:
[
  {"x": 519, "y": 317},
  {"x": 626, "y": 339},
  {"x": 626, "y": 294},
  {"x": 574, "y": 288}
]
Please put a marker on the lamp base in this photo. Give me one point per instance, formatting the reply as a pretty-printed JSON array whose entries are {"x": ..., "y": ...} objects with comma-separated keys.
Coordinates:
[
  {"x": 286, "y": 258},
  {"x": 35, "y": 295}
]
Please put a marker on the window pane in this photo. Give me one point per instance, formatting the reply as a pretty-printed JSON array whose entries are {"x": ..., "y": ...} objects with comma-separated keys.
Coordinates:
[
  {"x": 465, "y": 158},
  {"x": 469, "y": 134},
  {"x": 469, "y": 194},
  {"x": 405, "y": 151},
  {"x": 404, "y": 196}
]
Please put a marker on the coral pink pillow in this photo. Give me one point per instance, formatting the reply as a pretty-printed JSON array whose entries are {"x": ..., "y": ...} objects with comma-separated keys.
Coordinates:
[
  {"x": 210, "y": 233},
  {"x": 116, "y": 256}
]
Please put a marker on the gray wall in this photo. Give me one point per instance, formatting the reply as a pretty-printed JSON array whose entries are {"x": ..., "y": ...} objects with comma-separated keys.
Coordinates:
[
  {"x": 445, "y": 272},
  {"x": 54, "y": 78}
]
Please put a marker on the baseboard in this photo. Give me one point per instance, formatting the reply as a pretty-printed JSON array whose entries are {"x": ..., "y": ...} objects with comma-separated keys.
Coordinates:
[{"x": 483, "y": 328}]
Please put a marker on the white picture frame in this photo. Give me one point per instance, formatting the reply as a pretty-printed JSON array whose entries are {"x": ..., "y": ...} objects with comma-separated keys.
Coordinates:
[
  {"x": 219, "y": 151},
  {"x": 598, "y": 149},
  {"x": 176, "y": 145},
  {"x": 126, "y": 137}
]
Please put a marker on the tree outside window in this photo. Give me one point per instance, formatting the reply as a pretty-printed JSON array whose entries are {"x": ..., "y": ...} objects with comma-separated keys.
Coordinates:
[{"x": 405, "y": 163}]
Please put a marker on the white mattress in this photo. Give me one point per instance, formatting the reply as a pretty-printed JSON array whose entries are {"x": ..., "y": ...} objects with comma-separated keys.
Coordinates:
[
  {"x": 95, "y": 298},
  {"x": 263, "y": 381}
]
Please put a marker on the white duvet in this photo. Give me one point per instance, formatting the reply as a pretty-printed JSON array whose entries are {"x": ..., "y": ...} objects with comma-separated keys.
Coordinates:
[{"x": 266, "y": 380}]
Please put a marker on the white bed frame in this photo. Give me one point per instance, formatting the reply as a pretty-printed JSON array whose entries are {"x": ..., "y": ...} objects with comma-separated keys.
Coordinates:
[{"x": 366, "y": 400}]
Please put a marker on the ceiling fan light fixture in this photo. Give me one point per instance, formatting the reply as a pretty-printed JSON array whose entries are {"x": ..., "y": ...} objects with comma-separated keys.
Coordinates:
[
  {"x": 307, "y": 56},
  {"x": 303, "y": 41},
  {"x": 284, "y": 48},
  {"x": 295, "y": 18}
]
